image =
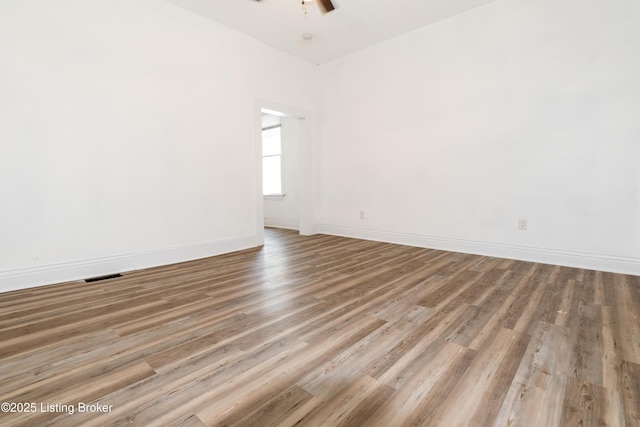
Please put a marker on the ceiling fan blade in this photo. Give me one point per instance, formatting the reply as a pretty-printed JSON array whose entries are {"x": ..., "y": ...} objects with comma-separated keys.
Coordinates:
[{"x": 325, "y": 5}]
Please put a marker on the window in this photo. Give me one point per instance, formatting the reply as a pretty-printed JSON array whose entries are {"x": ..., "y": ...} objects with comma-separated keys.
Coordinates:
[{"x": 272, "y": 161}]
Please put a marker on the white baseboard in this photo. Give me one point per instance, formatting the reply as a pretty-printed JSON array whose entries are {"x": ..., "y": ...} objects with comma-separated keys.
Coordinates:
[
  {"x": 602, "y": 262},
  {"x": 23, "y": 278},
  {"x": 282, "y": 223},
  {"x": 190, "y": 252},
  {"x": 79, "y": 270}
]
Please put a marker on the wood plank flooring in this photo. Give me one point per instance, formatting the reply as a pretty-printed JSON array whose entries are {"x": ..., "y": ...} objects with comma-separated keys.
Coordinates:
[{"x": 327, "y": 331}]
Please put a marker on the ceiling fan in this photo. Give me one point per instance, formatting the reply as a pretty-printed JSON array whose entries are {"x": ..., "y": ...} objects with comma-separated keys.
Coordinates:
[{"x": 324, "y": 5}]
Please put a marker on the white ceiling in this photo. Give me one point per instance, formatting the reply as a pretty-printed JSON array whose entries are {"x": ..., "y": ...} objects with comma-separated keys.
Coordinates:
[{"x": 353, "y": 25}]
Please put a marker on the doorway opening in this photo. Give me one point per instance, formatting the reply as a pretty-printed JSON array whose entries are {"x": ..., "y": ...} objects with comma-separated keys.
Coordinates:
[{"x": 284, "y": 169}]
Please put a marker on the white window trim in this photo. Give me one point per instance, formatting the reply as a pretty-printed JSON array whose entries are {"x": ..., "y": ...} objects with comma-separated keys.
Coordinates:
[
  {"x": 274, "y": 196},
  {"x": 278, "y": 196}
]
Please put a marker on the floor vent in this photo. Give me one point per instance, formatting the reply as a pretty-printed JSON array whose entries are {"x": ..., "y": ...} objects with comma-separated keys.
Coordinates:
[{"x": 108, "y": 276}]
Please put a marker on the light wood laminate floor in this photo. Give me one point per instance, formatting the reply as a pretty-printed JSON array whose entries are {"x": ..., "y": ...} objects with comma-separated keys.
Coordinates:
[{"x": 327, "y": 331}]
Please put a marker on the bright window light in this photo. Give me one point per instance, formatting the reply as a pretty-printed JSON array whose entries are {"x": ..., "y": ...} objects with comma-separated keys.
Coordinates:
[{"x": 271, "y": 161}]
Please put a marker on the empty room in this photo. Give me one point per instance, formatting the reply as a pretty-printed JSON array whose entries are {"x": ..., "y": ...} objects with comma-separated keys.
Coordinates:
[{"x": 320, "y": 213}]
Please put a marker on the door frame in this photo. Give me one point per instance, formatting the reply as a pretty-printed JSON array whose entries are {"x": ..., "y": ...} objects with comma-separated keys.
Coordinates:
[{"x": 306, "y": 219}]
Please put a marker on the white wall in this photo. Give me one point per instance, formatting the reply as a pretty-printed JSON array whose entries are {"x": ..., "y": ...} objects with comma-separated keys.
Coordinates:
[
  {"x": 283, "y": 212},
  {"x": 448, "y": 135},
  {"x": 127, "y": 136}
]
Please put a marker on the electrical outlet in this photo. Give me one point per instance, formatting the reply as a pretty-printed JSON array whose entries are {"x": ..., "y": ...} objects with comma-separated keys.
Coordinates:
[
  {"x": 522, "y": 224},
  {"x": 361, "y": 214}
]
